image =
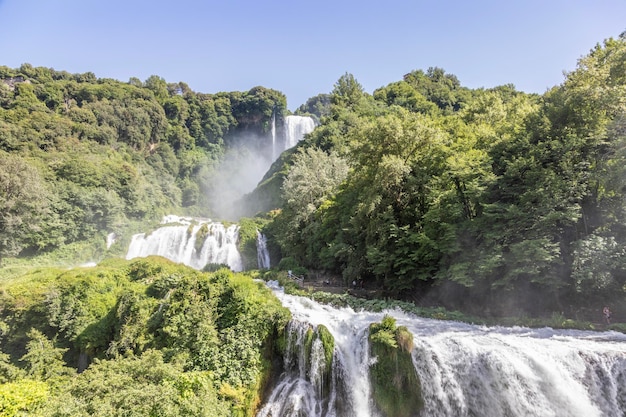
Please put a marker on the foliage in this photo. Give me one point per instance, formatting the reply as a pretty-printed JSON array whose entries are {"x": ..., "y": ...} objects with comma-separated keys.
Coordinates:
[
  {"x": 87, "y": 156},
  {"x": 214, "y": 267},
  {"x": 24, "y": 397},
  {"x": 43, "y": 360},
  {"x": 290, "y": 264},
  {"x": 317, "y": 107},
  {"x": 440, "y": 88},
  {"x": 384, "y": 332},
  {"x": 248, "y": 229},
  {"x": 313, "y": 179},
  {"x": 151, "y": 334},
  {"x": 469, "y": 197},
  {"x": 23, "y": 203},
  {"x": 138, "y": 386}
]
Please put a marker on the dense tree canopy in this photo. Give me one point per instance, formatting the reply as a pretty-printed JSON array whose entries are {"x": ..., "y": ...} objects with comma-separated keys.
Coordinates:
[
  {"x": 466, "y": 195},
  {"x": 83, "y": 156},
  {"x": 150, "y": 338},
  {"x": 23, "y": 203}
]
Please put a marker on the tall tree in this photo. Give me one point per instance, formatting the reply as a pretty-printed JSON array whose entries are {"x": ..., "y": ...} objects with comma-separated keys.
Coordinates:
[
  {"x": 313, "y": 179},
  {"x": 22, "y": 203}
]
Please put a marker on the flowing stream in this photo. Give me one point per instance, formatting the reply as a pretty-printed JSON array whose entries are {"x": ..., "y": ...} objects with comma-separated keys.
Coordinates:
[{"x": 465, "y": 370}]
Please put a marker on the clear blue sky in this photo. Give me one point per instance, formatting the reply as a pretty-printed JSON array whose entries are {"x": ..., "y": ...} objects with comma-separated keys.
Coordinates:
[{"x": 302, "y": 48}]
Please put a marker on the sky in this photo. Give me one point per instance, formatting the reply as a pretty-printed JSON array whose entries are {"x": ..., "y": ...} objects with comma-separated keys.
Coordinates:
[{"x": 302, "y": 48}]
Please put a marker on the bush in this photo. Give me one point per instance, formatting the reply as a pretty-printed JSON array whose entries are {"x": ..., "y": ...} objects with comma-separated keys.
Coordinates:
[
  {"x": 166, "y": 331},
  {"x": 215, "y": 267},
  {"x": 290, "y": 264}
]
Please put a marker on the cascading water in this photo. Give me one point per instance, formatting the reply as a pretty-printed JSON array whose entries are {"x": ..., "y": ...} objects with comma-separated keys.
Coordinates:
[
  {"x": 179, "y": 242},
  {"x": 273, "y": 130},
  {"x": 111, "y": 239},
  {"x": 465, "y": 370},
  {"x": 263, "y": 255},
  {"x": 295, "y": 129}
]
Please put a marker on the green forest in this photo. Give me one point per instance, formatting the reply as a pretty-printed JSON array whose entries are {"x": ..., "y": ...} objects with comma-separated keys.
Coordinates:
[
  {"x": 489, "y": 201},
  {"x": 81, "y": 157}
]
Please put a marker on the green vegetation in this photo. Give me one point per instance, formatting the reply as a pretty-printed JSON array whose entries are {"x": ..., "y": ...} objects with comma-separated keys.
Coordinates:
[
  {"x": 81, "y": 157},
  {"x": 152, "y": 335},
  {"x": 395, "y": 384},
  {"x": 329, "y": 345},
  {"x": 496, "y": 205},
  {"x": 321, "y": 334},
  {"x": 490, "y": 201}
]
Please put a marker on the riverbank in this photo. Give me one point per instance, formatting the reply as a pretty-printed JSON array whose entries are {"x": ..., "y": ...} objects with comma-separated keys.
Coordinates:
[{"x": 331, "y": 290}]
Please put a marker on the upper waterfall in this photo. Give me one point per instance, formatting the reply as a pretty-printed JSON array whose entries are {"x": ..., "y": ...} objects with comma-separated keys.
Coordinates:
[
  {"x": 195, "y": 243},
  {"x": 295, "y": 129},
  {"x": 273, "y": 132}
]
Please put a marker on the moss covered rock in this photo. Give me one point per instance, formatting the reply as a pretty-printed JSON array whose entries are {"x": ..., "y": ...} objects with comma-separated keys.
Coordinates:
[
  {"x": 201, "y": 236},
  {"x": 319, "y": 370},
  {"x": 395, "y": 384},
  {"x": 248, "y": 228},
  {"x": 328, "y": 342}
]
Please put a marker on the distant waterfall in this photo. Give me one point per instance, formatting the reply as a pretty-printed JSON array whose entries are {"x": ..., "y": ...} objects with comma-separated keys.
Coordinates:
[
  {"x": 193, "y": 243},
  {"x": 111, "y": 239},
  {"x": 263, "y": 256},
  {"x": 273, "y": 130},
  {"x": 295, "y": 129},
  {"x": 465, "y": 370}
]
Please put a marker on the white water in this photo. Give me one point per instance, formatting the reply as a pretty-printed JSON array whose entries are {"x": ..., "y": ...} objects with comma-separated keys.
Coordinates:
[
  {"x": 244, "y": 165},
  {"x": 111, "y": 239},
  {"x": 263, "y": 256},
  {"x": 273, "y": 136},
  {"x": 295, "y": 129},
  {"x": 176, "y": 240},
  {"x": 465, "y": 370}
]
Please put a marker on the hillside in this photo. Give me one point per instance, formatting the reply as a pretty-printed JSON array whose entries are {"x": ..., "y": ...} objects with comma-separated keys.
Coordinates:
[
  {"x": 83, "y": 157},
  {"x": 493, "y": 201},
  {"x": 147, "y": 337},
  {"x": 489, "y": 199}
]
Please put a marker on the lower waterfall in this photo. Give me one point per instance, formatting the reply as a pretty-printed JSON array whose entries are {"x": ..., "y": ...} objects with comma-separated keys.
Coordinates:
[
  {"x": 195, "y": 243},
  {"x": 465, "y": 370}
]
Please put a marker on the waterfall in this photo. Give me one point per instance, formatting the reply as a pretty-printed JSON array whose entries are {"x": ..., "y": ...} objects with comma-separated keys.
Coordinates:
[
  {"x": 465, "y": 370},
  {"x": 263, "y": 256},
  {"x": 295, "y": 129},
  {"x": 111, "y": 239},
  {"x": 195, "y": 243},
  {"x": 273, "y": 129}
]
